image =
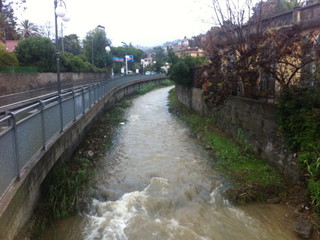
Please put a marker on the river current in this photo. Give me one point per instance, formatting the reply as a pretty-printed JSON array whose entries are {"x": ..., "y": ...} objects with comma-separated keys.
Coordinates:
[{"x": 157, "y": 183}]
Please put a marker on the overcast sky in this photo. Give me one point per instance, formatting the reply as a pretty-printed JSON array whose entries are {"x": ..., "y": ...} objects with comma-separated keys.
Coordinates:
[{"x": 141, "y": 22}]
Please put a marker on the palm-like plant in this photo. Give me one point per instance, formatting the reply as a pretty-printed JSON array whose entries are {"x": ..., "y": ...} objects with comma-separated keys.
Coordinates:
[{"x": 28, "y": 29}]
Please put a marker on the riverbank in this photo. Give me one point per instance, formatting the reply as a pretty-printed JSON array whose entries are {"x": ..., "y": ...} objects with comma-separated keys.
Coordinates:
[
  {"x": 251, "y": 179},
  {"x": 66, "y": 189}
]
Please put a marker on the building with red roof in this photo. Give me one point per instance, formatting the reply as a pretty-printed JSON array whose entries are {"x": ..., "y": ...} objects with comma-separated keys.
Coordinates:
[{"x": 10, "y": 44}]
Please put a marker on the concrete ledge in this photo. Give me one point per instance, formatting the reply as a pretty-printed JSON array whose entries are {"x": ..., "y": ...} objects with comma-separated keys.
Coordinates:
[{"x": 18, "y": 204}]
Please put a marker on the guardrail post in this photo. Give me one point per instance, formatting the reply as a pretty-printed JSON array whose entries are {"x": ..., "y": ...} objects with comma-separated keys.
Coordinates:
[
  {"x": 13, "y": 123},
  {"x": 95, "y": 93},
  {"x": 74, "y": 105},
  {"x": 44, "y": 146},
  {"x": 90, "y": 98},
  {"x": 61, "y": 113},
  {"x": 83, "y": 103}
]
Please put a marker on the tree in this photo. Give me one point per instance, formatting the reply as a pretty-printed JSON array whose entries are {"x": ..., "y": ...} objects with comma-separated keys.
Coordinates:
[
  {"x": 94, "y": 47},
  {"x": 7, "y": 19},
  {"x": 46, "y": 30},
  {"x": 72, "y": 63},
  {"x": 285, "y": 52},
  {"x": 242, "y": 53},
  {"x": 172, "y": 58},
  {"x": 235, "y": 44},
  {"x": 28, "y": 29},
  {"x": 72, "y": 44},
  {"x": 38, "y": 52},
  {"x": 272, "y": 8},
  {"x": 159, "y": 54},
  {"x": 159, "y": 57},
  {"x": 126, "y": 49},
  {"x": 7, "y": 58},
  {"x": 180, "y": 71}
]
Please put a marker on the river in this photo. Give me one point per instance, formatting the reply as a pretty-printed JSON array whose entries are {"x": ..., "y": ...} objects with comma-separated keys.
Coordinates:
[{"x": 157, "y": 183}]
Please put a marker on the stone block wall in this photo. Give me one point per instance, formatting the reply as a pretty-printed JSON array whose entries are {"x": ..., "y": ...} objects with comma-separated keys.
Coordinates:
[
  {"x": 249, "y": 120},
  {"x": 18, "y": 82}
]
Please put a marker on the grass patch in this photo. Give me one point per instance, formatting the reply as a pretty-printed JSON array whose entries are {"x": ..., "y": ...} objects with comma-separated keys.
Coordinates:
[
  {"x": 252, "y": 179},
  {"x": 150, "y": 86}
]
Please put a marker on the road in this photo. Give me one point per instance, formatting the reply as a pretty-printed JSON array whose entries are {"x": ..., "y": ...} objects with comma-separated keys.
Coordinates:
[{"x": 12, "y": 102}]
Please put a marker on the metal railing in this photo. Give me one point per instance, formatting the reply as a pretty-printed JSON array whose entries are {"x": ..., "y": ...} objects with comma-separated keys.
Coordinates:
[{"x": 24, "y": 133}]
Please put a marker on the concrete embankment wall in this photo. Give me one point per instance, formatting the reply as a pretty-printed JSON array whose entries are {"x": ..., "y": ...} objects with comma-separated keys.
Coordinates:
[
  {"x": 17, "y": 206},
  {"x": 19, "y": 82},
  {"x": 249, "y": 120}
]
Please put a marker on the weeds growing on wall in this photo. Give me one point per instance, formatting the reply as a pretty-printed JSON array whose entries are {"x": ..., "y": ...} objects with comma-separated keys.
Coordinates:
[
  {"x": 252, "y": 179},
  {"x": 299, "y": 115}
]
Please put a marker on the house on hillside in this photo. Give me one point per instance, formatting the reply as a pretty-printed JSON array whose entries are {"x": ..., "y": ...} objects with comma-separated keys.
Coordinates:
[
  {"x": 193, "y": 52},
  {"x": 184, "y": 48}
]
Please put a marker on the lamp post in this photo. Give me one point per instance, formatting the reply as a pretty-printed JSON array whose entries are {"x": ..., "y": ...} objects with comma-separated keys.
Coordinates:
[
  {"x": 108, "y": 49},
  {"x": 60, "y": 11},
  {"x": 126, "y": 57}
]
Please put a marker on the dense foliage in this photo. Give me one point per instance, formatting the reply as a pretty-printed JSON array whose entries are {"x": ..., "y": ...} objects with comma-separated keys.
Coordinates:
[
  {"x": 94, "y": 47},
  {"x": 6, "y": 58},
  {"x": 270, "y": 8},
  {"x": 122, "y": 51},
  {"x": 180, "y": 70},
  {"x": 299, "y": 112},
  {"x": 37, "y": 52},
  {"x": 72, "y": 63},
  {"x": 8, "y": 20},
  {"x": 71, "y": 44}
]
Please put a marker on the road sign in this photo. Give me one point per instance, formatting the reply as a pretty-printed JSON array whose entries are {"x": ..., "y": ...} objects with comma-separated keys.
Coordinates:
[
  {"x": 118, "y": 59},
  {"x": 129, "y": 58}
]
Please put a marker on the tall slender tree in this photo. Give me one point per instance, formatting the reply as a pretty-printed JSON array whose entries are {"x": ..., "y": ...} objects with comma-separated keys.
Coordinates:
[
  {"x": 94, "y": 46},
  {"x": 28, "y": 29},
  {"x": 7, "y": 19}
]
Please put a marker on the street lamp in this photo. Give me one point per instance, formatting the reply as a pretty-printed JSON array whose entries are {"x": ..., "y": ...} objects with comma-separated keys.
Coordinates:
[
  {"x": 108, "y": 50},
  {"x": 60, "y": 11}
]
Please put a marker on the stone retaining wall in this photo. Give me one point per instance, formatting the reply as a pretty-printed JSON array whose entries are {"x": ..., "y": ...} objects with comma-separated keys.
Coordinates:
[
  {"x": 19, "y": 82},
  {"x": 254, "y": 121}
]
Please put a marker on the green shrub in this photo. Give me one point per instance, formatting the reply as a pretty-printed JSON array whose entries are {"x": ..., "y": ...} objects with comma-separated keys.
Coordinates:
[
  {"x": 7, "y": 58},
  {"x": 299, "y": 114},
  {"x": 72, "y": 63},
  {"x": 37, "y": 52},
  {"x": 180, "y": 74},
  {"x": 180, "y": 70},
  {"x": 314, "y": 189}
]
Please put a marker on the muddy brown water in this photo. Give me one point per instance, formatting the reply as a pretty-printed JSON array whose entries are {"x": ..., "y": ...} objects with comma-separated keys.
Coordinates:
[{"x": 157, "y": 184}]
